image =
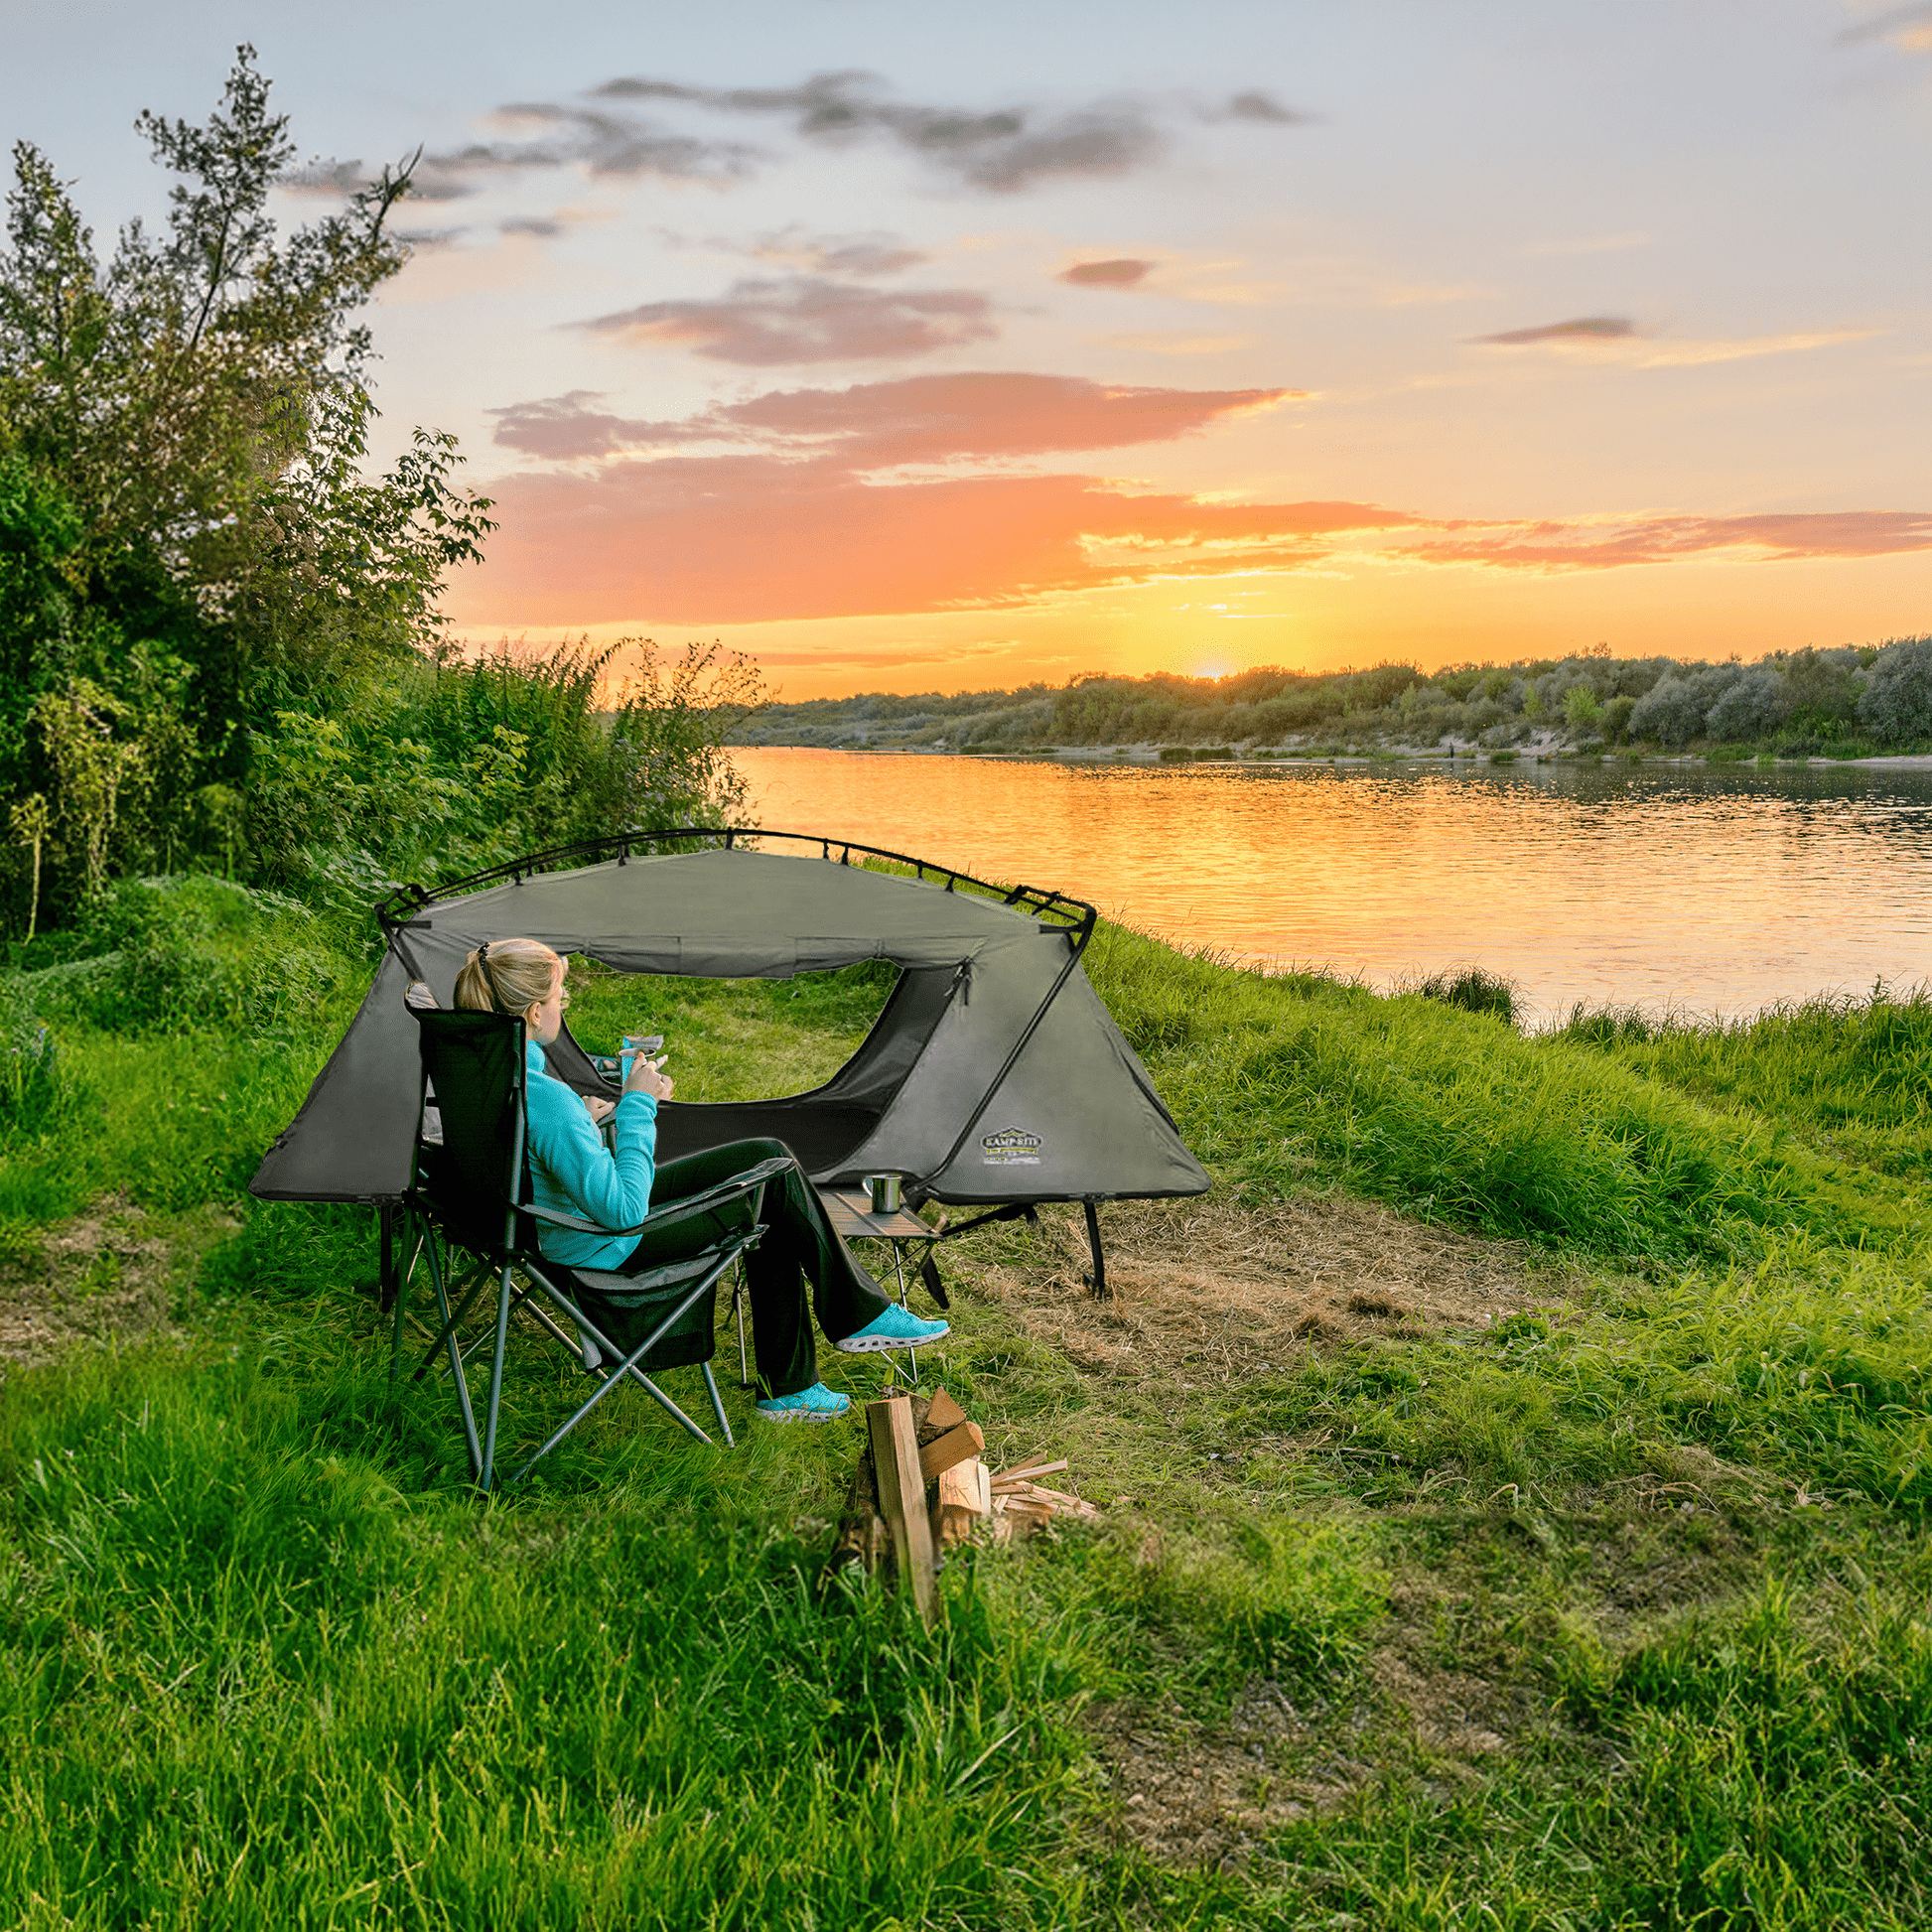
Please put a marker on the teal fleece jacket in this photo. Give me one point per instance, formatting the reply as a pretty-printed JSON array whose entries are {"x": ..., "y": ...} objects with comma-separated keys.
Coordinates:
[{"x": 572, "y": 1172}]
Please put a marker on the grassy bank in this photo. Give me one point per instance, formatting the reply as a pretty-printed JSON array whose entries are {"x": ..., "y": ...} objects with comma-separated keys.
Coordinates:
[{"x": 1513, "y": 1476}]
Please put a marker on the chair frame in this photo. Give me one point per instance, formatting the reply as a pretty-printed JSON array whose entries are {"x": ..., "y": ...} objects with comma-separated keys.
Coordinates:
[{"x": 524, "y": 1281}]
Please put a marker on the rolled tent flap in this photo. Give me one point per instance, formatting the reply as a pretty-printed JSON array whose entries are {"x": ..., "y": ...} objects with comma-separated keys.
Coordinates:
[{"x": 983, "y": 982}]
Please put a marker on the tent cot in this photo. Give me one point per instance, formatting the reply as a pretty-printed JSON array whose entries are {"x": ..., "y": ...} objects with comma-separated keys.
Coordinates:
[{"x": 993, "y": 1076}]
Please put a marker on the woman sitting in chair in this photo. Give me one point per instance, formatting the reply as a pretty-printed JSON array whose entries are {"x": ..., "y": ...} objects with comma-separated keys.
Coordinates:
[{"x": 572, "y": 1172}]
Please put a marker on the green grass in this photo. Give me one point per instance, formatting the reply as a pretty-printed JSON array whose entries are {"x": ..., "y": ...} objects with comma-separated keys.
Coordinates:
[{"x": 1607, "y": 1615}]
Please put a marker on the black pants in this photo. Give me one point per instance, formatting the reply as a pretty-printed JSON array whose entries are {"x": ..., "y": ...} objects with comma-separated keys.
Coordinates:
[{"x": 798, "y": 1245}]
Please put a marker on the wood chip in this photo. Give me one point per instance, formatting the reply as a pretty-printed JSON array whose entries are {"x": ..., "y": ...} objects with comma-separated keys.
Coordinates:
[
  {"x": 1029, "y": 1470},
  {"x": 944, "y": 1411}
]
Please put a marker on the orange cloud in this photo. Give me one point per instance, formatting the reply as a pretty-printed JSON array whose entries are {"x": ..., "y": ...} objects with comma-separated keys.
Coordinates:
[
  {"x": 917, "y": 419},
  {"x": 1598, "y": 544},
  {"x": 740, "y": 540},
  {"x": 807, "y": 511}
]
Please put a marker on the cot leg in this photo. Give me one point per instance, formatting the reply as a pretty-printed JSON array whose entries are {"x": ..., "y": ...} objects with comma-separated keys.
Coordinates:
[
  {"x": 392, "y": 1287},
  {"x": 1101, "y": 1292}
]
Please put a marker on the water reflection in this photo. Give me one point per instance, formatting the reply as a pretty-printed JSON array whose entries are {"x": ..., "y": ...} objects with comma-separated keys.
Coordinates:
[{"x": 1711, "y": 890}]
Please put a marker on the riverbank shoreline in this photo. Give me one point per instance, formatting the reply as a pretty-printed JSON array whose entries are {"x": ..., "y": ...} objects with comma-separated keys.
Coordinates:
[{"x": 1172, "y": 755}]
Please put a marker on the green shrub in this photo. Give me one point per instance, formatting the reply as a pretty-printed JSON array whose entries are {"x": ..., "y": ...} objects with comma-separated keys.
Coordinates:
[
  {"x": 29, "y": 1076},
  {"x": 181, "y": 953},
  {"x": 1176, "y": 754},
  {"x": 1472, "y": 988}
]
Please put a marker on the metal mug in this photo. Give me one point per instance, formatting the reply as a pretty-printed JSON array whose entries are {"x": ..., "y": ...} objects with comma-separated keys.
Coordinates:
[
  {"x": 884, "y": 1190},
  {"x": 631, "y": 1045}
]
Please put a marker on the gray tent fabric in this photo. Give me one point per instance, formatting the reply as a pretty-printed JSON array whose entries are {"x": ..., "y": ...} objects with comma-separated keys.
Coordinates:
[{"x": 994, "y": 1073}]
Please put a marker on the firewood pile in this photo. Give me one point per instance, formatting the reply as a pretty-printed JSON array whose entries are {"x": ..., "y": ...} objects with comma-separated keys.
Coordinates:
[{"x": 921, "y": 1489}]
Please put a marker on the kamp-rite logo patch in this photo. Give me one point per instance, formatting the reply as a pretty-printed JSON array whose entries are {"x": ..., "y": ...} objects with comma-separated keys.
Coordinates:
[{"x": 1011, "y": 1147}]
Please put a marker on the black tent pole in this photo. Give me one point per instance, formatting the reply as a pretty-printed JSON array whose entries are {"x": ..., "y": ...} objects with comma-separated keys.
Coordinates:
[{"x": 1101, "y": 1292}]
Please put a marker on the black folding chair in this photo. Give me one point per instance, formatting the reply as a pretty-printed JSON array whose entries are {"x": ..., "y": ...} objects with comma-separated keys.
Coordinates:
[{"x": 472, "y": 1197}]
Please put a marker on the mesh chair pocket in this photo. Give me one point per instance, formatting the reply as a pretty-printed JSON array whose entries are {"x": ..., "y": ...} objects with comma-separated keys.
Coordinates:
[{"x": 628, "y": 1314}]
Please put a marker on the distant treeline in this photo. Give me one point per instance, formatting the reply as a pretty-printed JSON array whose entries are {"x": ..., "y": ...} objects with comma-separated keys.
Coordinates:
[{"x": 1846, "y": 702}]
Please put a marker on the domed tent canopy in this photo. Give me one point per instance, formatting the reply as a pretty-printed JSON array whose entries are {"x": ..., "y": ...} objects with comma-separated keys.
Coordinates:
[{"x": 993, "y": 1076}]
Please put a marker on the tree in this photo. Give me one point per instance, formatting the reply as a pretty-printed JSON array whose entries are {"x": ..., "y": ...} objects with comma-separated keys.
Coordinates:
[
  {"x": 1670, "y": 712},
  {"x": 1896, "y": 705},
  {"x": 189, "y": 545},
  {"x": 1751, "y": 708}
]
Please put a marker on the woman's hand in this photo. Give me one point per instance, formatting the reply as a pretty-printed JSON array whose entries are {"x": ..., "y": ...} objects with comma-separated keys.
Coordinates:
[
  {"x": 649, "y": 1076},
  {"x": 600, "y": 1110}
]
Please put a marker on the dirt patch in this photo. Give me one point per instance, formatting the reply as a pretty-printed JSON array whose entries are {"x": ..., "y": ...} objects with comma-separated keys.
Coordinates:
[
  {"x": 1191, "y": 1794},
  {"x": 1220, "y": 1290},
  {"x": 105, "y": 1276}
]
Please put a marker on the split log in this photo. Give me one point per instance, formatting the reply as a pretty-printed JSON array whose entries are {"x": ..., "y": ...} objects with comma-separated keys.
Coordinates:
[
  {"x": 959, "y": 1509},
  {"x": 862, "y": 1537},
  {"x": 955, "y": 1446},
  {"x": 901, "y": 1493}
]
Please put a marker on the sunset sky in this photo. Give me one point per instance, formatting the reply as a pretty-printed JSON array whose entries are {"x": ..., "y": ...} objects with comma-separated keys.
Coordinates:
[{"x": 909, "y": 347}]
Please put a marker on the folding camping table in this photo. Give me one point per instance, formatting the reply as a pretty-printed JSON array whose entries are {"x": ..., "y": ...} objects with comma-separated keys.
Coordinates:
[{"x": 850, "y": 1211}]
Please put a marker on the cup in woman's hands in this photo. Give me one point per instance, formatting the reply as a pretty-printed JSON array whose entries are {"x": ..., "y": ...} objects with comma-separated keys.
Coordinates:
[{"x": 631, "y": 1045}]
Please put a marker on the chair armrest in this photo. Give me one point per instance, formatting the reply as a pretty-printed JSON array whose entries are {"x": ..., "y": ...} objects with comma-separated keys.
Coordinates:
[{"x": 672, "y": 1212}]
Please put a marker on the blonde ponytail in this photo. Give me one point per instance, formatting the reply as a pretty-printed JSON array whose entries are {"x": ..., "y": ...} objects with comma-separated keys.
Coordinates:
[{"x": 507, "y": 976}]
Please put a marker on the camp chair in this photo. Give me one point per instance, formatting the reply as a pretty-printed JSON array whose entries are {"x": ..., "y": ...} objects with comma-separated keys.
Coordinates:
[{"x": 472, "y": 1197}]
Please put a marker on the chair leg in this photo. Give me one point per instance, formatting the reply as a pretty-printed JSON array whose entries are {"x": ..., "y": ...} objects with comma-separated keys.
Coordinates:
[
  {"x": 492, "y": 1414},
  {"x": 737, "y": 1309},
  {"x": 456, "y": 1362},
  {"x": 909, "y": 1375},
  {"x": 718, "y": 1407}
]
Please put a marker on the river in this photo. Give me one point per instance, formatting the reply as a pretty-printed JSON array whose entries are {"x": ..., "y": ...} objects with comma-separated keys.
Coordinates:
[{"x": 1705, "y": 889}]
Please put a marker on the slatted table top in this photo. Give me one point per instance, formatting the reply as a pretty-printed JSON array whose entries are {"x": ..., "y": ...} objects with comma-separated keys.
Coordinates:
[{"x": 851, "y": 1213}]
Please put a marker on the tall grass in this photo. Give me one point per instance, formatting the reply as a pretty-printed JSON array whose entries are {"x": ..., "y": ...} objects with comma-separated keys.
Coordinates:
[
  {"x": 264, "y": 1658},
  {"x": 1294, "y": 1079}
]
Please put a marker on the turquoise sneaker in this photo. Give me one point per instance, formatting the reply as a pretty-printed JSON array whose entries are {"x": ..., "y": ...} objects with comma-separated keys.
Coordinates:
[
  {"x": 817, "y": 1404},
  {"x": 898, "y": 1328}
]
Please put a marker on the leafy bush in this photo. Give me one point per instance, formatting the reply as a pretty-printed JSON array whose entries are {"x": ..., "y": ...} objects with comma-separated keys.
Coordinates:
[
  {"x": 1898, "y": 700},
  {"x": 183, "y": 953},
  {"x": 1670, "y": 712},
  {"x": 1752, "y": 708}
]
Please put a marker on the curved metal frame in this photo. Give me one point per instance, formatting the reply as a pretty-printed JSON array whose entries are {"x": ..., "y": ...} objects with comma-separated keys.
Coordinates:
[{"x": 407, "y": 902}]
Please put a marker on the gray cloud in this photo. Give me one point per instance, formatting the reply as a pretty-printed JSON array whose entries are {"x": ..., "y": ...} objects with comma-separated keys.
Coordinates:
[
  {"x": 536, "y": 224},
  {"x": 562, "y": 427},
  {"x": 1258, "y": 106},
  {"x": 324, "y": 176},
  {"x": 807, "y": 320},
  {"x": 1884, "y": 26},
  {"x": 614, "y": 146},
  {"x": 1583, "y": 329},
  {"x": 1000, "y": 151},
  {"x": 1122, "y": 273},
  {"x": 867, "y": 254}
]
